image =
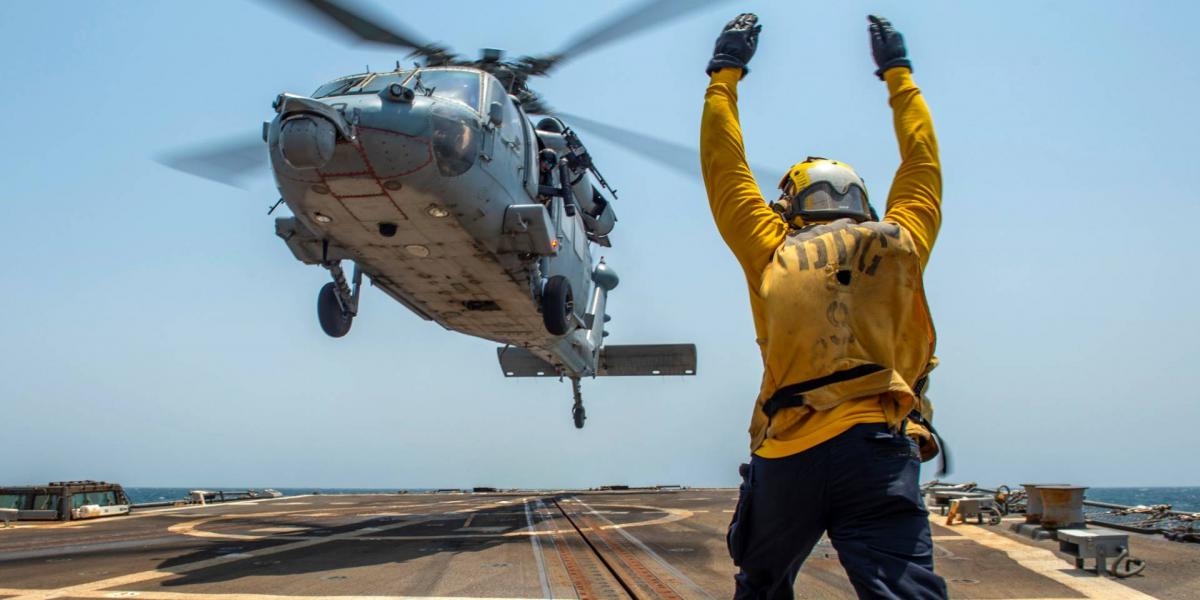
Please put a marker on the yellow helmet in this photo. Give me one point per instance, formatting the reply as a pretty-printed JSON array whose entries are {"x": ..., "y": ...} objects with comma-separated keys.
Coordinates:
[{"x": 820, "y": 189}]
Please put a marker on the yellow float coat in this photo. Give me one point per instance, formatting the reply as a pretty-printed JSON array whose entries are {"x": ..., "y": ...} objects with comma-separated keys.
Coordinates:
[{"x": 756, "y": 235}]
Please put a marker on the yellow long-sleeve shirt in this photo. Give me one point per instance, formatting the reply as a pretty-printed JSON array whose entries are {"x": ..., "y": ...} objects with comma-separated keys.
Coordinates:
[{"x": 754, "y": 232}]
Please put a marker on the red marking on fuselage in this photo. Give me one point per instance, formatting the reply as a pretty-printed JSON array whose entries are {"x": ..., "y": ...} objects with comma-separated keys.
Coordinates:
[{"x": 372, "y": 172}]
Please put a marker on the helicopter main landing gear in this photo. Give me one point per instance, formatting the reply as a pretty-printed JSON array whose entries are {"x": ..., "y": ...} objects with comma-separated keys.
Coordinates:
[
  {"x": 337, "y": 303},
  {"x": 577, "y": 412},
  {"x": 558, "y": 304}
]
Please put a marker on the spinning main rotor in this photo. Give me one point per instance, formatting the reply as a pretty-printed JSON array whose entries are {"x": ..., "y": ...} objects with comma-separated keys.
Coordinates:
[
  {"x": 232, "y": 161},
  {"x": 514, "y": 74}
]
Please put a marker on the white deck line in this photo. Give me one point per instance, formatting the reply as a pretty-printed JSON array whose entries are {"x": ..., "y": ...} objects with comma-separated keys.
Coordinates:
[
  {"x": 1044, "y": 562},
  {"x": 95, "y": 587},
  {"x": 537, "y": 552}
]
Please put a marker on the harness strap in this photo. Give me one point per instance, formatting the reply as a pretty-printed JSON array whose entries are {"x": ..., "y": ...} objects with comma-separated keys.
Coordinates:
[
  {"x": 943, "y": 452},
  {"x": 791, "y": 396},
  {"x": 919, "y": 388}
]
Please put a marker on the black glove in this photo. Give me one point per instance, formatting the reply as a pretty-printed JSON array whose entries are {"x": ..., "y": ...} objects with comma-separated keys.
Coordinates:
[
  {"x": 736, "y": 44},
  {"x": 887, "y": 45}
]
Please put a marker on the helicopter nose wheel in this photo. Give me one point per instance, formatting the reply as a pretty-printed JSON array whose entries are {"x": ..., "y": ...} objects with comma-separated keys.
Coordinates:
[
  {"x": 337, "y": 303},
  {"x": 577, "y": 411}
]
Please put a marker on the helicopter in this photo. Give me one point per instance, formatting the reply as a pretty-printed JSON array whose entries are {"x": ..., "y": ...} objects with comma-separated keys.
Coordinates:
[{"x": 438, "y": 187}]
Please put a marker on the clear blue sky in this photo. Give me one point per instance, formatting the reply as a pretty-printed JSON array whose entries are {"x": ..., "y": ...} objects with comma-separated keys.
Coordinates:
[{"x": 156, "y": 332}]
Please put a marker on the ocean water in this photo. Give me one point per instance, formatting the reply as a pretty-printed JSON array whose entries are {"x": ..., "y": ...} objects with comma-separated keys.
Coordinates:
[{"x": 1186, "y": 499}]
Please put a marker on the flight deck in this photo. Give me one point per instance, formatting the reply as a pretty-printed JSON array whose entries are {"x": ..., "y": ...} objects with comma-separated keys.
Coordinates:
[{"x": 526, "y": 544}]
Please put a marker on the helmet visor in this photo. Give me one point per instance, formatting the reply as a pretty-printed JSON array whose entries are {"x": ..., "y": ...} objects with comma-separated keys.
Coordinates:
[{"x": 822, "y": 198}]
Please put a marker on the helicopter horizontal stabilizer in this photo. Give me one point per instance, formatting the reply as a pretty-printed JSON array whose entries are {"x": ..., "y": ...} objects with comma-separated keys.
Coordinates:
[
  {"x": 648, "y": 359},
  {"x": 626, "y": 360},
  {"x": 519, "y": 362}
]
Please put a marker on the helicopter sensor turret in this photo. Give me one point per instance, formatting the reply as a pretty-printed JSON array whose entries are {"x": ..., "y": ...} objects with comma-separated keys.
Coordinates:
[{"x": 307, "y": 141}]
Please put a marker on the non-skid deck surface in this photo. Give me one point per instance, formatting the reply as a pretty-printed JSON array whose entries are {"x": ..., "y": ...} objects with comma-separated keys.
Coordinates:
[{"x": 640, "y": 544}]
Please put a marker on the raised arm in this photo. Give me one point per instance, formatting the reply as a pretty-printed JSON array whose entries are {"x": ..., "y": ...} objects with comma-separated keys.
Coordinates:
[
  {"x": 915, "y": 200},
  {"x": 750, "y": 228}
]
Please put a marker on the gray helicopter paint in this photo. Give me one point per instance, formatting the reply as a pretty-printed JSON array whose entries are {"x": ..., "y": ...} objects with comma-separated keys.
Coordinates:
[{"x": 387, "y": 173}]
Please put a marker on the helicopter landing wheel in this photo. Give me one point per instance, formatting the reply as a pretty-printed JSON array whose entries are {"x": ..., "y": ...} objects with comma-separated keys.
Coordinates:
[
  {"x": 335, "y": 321},
  {"x": 580, "y": 415},
  {"x": 557, "y": 305}
]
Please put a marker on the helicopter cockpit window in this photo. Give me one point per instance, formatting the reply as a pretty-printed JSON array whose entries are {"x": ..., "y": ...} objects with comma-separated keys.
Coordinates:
[
  {"x": 337, "y": 87},
  {"x": 512, "y": 120},
  {"x": 495, "y": 93},
  {"x": 455, "y": 85},
  {"x": 462, "y": 86},
  {"x": 380, "y": 81}
]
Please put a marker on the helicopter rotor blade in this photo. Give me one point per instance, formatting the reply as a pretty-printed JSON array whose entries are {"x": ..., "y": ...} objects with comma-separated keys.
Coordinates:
[
  {"x": 360, "y": 25},
  {"x": 677, "y": 157},
  {"x": 230, "y": 161},
  {"x": 644, "y": 15},
  {"x": 682, "y": 159}
]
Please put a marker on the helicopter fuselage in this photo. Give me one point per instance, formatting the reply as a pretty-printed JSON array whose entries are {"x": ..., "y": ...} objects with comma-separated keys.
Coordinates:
[{"x": 434, "y": 191}]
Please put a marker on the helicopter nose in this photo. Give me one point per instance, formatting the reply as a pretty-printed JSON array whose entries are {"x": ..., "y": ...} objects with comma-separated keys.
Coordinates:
[{"x": 307, "y": 142}]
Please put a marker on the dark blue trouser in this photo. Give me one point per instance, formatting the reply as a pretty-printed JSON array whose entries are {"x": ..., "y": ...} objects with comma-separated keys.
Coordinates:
[{"x": 861, "y": 487}]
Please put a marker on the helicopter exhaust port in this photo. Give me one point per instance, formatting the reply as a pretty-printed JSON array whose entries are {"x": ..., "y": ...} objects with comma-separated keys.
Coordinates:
[{"x": 307, "y": 141}]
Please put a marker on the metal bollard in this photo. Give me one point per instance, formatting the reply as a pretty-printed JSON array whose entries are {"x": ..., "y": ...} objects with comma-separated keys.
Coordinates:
[
  {"x": 1033, "y": 503},
  {"x": 1062, "y": 506}
]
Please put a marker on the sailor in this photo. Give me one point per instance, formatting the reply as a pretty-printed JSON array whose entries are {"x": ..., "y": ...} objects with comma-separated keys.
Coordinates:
[{"x": 846, "y": 341}]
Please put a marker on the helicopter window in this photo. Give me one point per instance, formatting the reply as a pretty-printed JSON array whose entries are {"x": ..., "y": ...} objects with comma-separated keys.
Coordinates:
[
  {"x": 495, "y": 93},
  {"x": 462, "y": 86},
  {"x": 513, "y": 126},
  {"x": 378, "y": 82},
  {"x": 455, "y": 85},
  {"x": 337, "y": 87},
  {"x": 512, "y": 120}
]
